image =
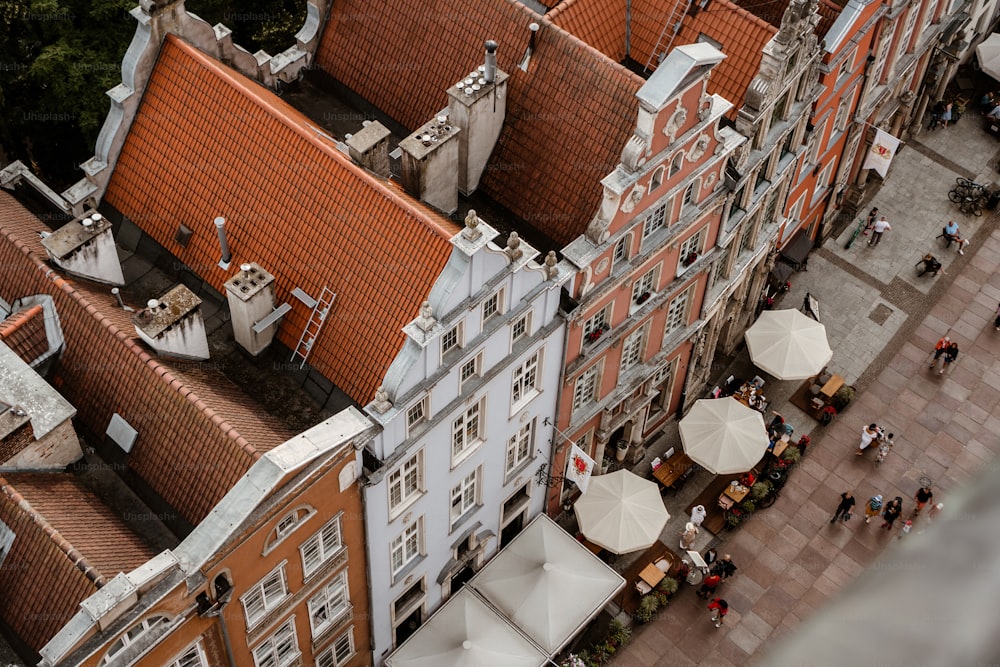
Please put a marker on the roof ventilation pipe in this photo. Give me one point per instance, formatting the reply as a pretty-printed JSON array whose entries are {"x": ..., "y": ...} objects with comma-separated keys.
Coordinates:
[
  {"x": 220, "y": 227},
  {"x": 490, "y": 74}
]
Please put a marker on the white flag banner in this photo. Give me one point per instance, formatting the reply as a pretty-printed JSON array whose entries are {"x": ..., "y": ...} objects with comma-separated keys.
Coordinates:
[
  {"x": 579, "y": 467},
  {"x": 881, "y": 153}
]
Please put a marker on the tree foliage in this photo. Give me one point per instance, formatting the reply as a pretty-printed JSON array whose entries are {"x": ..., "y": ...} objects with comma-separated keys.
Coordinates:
[{"x": 58, "y": 59}]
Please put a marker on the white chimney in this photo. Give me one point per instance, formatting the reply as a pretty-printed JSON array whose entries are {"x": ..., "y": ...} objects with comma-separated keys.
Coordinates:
[
  {"x": 478, "y": 105},
  {"x": 369, "y": 147},
  {"x": 430, "y": 164},
  {"x": 85, "y": 247},
  {"x": 251, "y": 299},
  {"x": 172, "y": 325}
]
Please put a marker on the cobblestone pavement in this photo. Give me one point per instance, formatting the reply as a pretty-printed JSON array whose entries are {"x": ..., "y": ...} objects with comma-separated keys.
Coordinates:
[{"x": 882, "y": 321}]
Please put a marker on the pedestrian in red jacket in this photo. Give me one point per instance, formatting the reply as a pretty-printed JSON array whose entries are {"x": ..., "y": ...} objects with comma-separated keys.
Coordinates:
[
  {"x": 719, "y": 609},
  {"x": 708, "y": 585}
]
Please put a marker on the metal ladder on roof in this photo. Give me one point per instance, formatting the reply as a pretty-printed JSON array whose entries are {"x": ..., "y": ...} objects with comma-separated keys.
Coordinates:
[
  {"x": 674, "y": 23},
  {"x": 311, "y": 332}
]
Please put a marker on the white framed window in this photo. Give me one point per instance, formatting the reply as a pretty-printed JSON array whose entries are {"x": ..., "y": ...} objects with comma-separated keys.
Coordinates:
[
  {"x": 676, "y": 163},
  {"x": 655, "y": 221},
  {"x": 286, "y": 526},
  {"x": 817, "y": 139},
  {"x": 407, "y": 545},
  {"x": 621, "y": 254},
  {"x": 677, "y": 312},
  {"x": 645, "y": 287},
  {"x": 823, "y": 182},
  {"x": 321, "y": 547},
  {"x": 691, "y": 192},
  {"x": 280, "y": 649},
  {"x": 265, "y": 596},
  {"x": 472, "y": 368},
  {"x": 451, "y": 339},
  {"x": 464, "y": 496},
  {"x": 520, "y": 328},
  {"x": 329, "y": 605},
  {"x": 795, "y": 213},
  {"x": 525, "y": 383},
  {"x": 597, "y": 324},
  {"x": 193, "y": 657},
  {"x": 467, "y": 431},
  {"x": 656, "y": 180},
  {"x": 338, "y": 654},
  {"x": 131, "y": 635},
  {"x": 416, "y": 413},
  {"x": 840, "y": 122},
  {"x": 691, "y": 249},
  {"x": 406, "y": 483},
  {"x": 633, "y": 347},
  {"x": 493, "y": 305},
  {"x": 519, "y": 447},
  {"x": 847, "y": 65},
  {"x": 662, "y": 381},
  {"x": 585, "y": 390}
]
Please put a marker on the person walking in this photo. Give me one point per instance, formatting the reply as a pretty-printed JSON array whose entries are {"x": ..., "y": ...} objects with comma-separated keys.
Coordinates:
[
  {"x": 922, "y": 497},
  {"x": 873, "y": 507},
  {"x": 880, "y": 227},
  {"x": 946, "y": 116},
  {"x": 709, "y": 585},
  {"x": 937, "y": 112},
  {"x": 719, "y": 609},
  {"x": 844, "y": 508},
  {"x": 688, "y": 535},
  {"x": 872, "y": 216},
  {"x": 698, "y": 515},
  {"x": 724, "y": 567},
  {"x": 892, "y": 511},
  {"x": 951, "y": 233},
  {"x": 884, "y": 447},
  {"x": 868, "y": 434},
  {"x": 939, "y": 349},
  {"x": 950, "y": 355}
]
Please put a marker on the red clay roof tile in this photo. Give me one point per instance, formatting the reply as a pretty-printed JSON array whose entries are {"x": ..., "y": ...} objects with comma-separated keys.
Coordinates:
[
  {"x": 207, "y": 142},
  {"x": 24, "y": 333},
  {"x": 568, "y": 116}
]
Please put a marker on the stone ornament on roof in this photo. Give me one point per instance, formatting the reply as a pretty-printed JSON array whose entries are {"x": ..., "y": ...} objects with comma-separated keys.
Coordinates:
[
  {"x": 514, "y": 246},
  {"x": 633, "y": 199},
  {"x": 426, "y": 319},
  {"x": 471, "y": 231},
  {"x": 699, "y": 148},
  {"x": 381, "y": 404},
  {"x": 551, "y": 270},
  {"x": 676, "y": 122}
]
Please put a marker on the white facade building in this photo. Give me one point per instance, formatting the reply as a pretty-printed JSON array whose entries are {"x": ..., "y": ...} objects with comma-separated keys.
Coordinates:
[{"x": 465, "y": 412}]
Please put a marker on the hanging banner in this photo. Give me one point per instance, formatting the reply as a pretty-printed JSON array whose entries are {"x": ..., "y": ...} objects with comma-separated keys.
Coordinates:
[
  {"x": 578, "y": 468},
  {"x": 881, "y": 153}
]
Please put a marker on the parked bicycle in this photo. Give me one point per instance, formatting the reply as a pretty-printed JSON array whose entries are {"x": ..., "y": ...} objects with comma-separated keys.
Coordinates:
[
  {"x": 970, "y": 196},
  {"x": 857, "y": 232}
]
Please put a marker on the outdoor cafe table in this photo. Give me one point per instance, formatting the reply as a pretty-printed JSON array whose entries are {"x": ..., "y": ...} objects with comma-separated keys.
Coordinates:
[
  {"x": 673, "y": 469},
  {"x": 652, "y": 575}
]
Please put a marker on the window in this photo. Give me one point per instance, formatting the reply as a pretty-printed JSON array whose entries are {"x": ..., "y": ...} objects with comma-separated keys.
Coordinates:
[
  {"x": 493, "y": 305},
  {"x": 746, "y": 238},
  {"x": 597, "y": 324},
  {"x": 654, "y": 221},
  {"x": 676, "y": 163},
  {"x": 691, "y": 249},
  {"x": 451, "y": 339},
  {"x": 645, "y": 286},
  {"x": 280, "y": 649},
  {"x": 845, "y": 67},
  {"x": 795, "y": 213},
  {"x": 779, "y": 108},
  {"x": 265, "y": 596},
  {"x": 719, "y": 271},
  {"x": 417, "y": 413},
  {"x": 320, "y": 547},
  {"x": 823, "y": 182},
  {"x": 406, "y": 482},
  {"x": 622, "y": 250},
  {"x": 131, "y": 635},
  {"x": 327, "y": 606},
  {"x": 286, "y": 525},
  {"x": 662, "y": 379},
  {"x": 817, "y": 139},
  {"x": 525, "y": 384},
  {"x": 691, "y": 193},
  {"x": 657, "y": 179},
  {"x": 585, "y": 390},
  {"x": 470, "y": 369},
  {"x": 633, "y": 348},
  {"x": 467, "y": 431},
  {"x": 464, "y": 496},
  {"x": 520, "y": 328},
  {"x": 406, "y": 547},
  {"x": 341, "y": 651},
  {"x": 678, "y": 311},
  {"x": 840, "y": 122},
  {"x": 519, "y": 447},
  {"x": 193, "y": 657}
]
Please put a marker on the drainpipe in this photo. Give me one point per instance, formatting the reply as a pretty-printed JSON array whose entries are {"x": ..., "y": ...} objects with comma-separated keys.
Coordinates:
[{"x": 225, "y": 633}]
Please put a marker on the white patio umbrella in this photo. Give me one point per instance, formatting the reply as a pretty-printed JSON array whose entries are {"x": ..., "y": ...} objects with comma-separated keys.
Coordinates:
[
  {"x": 788, "y": 344},
  {"x": 465, "y": 632},
  {"x": 621, "y": 511},
  {"x": 988, "y": 54},
  {"x": 723, "y": 436},
  {"x": 548, "y": 584}
]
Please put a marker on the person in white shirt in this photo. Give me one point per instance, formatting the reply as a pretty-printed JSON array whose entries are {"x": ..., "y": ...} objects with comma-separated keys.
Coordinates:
[{"x": 881, "y": 226}]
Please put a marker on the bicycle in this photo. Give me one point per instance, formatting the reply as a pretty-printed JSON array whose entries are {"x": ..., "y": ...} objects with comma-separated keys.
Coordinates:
[
  {"x": 857, "y": 232},
  {"x": 971, "y": 197}
]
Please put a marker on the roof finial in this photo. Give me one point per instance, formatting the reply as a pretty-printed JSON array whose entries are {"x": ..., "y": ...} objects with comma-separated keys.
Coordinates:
[
  {"x": 471, "y": 231},
  {"x": 426, "y": 320},
  {"x": 381, "y": 404},
  {"x": 551, "y": 270},
  {"x": 514, "y": 246}
]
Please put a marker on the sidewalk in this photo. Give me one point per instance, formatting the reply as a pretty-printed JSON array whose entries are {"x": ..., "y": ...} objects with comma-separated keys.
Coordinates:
[{"x": 882, "y": 321}]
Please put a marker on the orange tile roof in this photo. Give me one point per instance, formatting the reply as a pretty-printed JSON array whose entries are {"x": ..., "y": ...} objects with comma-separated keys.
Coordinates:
[
  {"x": 773, "y": 10},
  {"x": 82, "y": 522},
  {"x": 568, "y": 116},
  {"x": 208, "y": 142},
  {"x": 24, "y": 333},
  {"x": 741, "y": 34}
]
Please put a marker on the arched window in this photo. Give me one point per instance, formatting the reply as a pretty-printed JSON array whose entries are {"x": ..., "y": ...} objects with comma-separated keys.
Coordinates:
[
  {"x": 132, "y": 635},
  {"x": 286, "y": 525},
  {"x": 657, "y": 179},
  {"x": 676, "y": 163}
]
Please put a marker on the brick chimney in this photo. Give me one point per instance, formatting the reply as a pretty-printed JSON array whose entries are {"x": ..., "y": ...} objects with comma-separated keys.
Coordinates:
[
  {"x": 251, "y": 299},
  {"x": 430, "y": 164},
  {"x": 478, "y": 105},
  {"x": 172, "y": 325},
  {"x": 369, "y": 147},
  {"x": 85, "y": 247}
]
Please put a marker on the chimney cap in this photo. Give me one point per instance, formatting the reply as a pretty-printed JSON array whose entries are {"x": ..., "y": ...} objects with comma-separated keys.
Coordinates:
[
  {"x": 246, "y": 266},
  {"x": 491, "y": 46},
  {"x": 533, "y": 27},
  {"x": 220, "y": 221},
  {"x": 152, "y": 304}
]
